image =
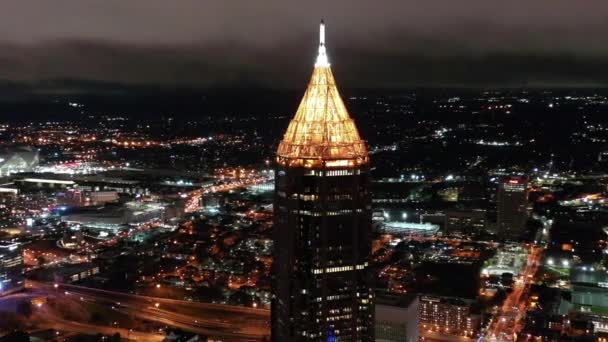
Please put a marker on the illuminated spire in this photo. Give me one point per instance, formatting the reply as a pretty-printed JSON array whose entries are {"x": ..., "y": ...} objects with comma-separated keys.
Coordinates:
[
  {"x": 322, "y": 132},
  {"x": 322, "y": 56}
]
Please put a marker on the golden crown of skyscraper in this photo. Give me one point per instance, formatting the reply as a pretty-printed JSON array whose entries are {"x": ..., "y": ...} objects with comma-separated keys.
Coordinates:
[{"x": 322, "y": 132}]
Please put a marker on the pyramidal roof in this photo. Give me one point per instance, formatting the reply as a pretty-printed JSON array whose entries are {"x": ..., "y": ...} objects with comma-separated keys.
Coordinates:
[{"x": 322, "y": 132}]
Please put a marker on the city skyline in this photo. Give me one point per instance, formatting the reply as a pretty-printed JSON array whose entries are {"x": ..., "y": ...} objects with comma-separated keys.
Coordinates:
[{"x": 160, "y": 181}]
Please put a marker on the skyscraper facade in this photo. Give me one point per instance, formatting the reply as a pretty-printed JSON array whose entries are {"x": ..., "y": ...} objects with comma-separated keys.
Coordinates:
[
  {"x": 11, "y": 267},
  {"x": 511, "y": 207},
  {"x": 321, "y": 285}
]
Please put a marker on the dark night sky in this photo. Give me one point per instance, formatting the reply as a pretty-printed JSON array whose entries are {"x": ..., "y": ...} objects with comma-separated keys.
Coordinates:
[{"x": 399, "y": 43}]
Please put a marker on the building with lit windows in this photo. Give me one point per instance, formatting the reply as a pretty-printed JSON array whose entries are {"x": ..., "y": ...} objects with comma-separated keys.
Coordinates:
[
  {"x": 446, "y": 315},
  {"x": 11, "y": 267},
  {"x": 459, "y": 220},
  {"x": 321, "y": 283},
  {"x": 511, "y": 207}
]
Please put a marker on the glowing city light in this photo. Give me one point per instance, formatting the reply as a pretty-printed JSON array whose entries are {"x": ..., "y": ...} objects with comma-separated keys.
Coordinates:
[
  {"x": 322, "y": 132},
  {"x": 322, "y": 57}
]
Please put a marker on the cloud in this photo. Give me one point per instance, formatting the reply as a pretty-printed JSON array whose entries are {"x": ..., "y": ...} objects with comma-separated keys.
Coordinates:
[{"x": 272, "y": 42}]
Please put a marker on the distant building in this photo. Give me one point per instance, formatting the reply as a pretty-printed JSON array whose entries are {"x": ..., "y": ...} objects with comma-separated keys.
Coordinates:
[
  {"x": 100, "y": 197},
  {"x": 438, "y": 218},
  {"x": 74, "y": 273},
  {"x": 72, "y": 239},
  {"x": 397, "y": 318},
  {"x": 262, "y": 187},
  {"x": 98, "y": 219},
  {"x": 16, "y": 160},
  {"x": 589, "y": 291},
  {"x": 115, "y": 217},
  {"x": 35, "y": 181},
  {"x": 118, "y": 183},
  {"x": 511, "y": 207},
  {"x": 11, "y": 267},
  {"x": 410, "y": 228},
  {"x": 175, "y": 210},
  {"x": 87, "y": 183},
  {"x": 78, "y": 197},
  {"x": 447, "y": 315},
  {"x": 213, "y": 200},
  {"x": 585, "y": 310},
  {"x": 465, "y": 220}
]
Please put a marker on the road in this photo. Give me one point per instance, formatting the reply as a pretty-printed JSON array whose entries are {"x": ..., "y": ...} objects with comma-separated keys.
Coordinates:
[
  {"x": 60, "y": 324},
  {"x": 45, "y": 318},
  {"x": 507, "y": 322},
  {"x": 217, "y": 320},
  {"x": 194, "y": 197},
  {"x": 433, "y": 336}
]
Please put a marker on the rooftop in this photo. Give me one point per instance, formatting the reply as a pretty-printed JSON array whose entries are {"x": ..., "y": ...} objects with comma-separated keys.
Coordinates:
[{"x": 322, "y": 132}]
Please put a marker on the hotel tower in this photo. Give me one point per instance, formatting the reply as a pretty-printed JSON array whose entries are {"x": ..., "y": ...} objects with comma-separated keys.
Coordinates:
[{"x": 321, "y": 281}]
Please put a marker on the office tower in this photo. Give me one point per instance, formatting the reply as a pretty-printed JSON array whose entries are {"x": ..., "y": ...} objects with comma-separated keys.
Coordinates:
[
  {"x": 11, "y": 267},
  {"x": 511, "y": 207},
  {"x": 322, "y": 286}
]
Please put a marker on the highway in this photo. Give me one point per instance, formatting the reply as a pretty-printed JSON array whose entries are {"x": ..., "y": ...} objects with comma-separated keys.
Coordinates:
[
  {"x": 507, "y": 322},
  {"x": 231, "y": 322},
  {"x": 45, "y": 318},
  {"x": 194, "y": 197},
  {"x": 60, "y": 324}
]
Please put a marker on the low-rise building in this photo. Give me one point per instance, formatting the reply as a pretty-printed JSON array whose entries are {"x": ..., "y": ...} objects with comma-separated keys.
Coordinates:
[
  {"x": 448, "y": 315},
  {"x": 397, "y": 318}
]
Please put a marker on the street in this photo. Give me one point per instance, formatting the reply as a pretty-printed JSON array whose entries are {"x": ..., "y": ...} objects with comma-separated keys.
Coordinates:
[
  {"x": 507, "y": 321},
  {"x": 217, "y": 320}
]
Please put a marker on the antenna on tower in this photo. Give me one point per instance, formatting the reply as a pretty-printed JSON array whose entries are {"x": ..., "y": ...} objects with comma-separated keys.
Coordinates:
[
  {"x": 322, "y": 56},
  {"x": 322, "y": 33}
]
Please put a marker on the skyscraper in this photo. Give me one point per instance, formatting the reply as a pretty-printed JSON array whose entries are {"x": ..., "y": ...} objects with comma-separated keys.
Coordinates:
[
  {"x": 511, "y": 207},
  {"x": 322, "y": 287},
  {"x": 11, "y": 267}
]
